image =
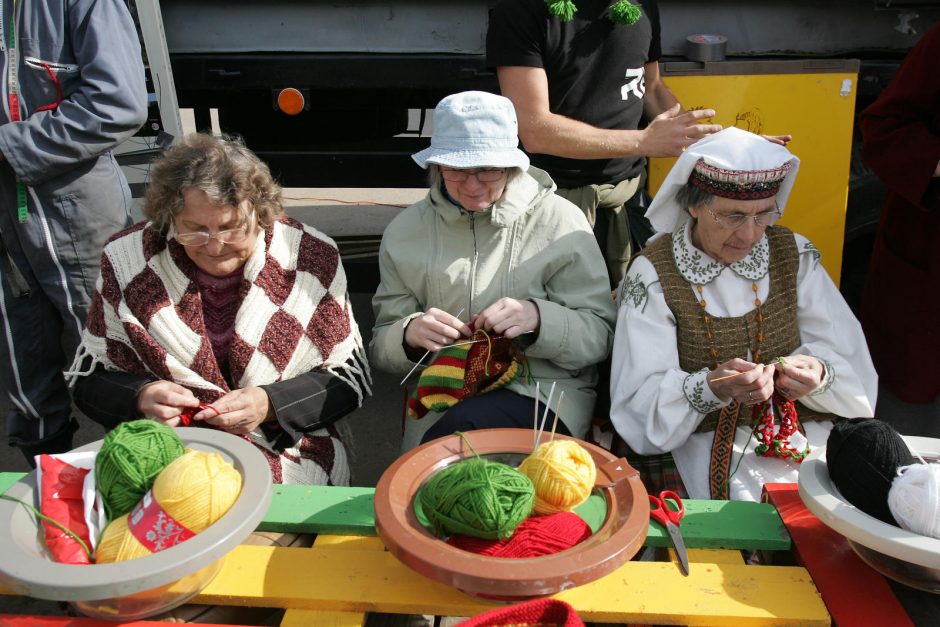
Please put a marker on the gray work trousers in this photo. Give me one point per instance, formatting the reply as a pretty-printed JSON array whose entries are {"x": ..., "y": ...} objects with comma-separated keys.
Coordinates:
[{"x": 48, "y": 269}]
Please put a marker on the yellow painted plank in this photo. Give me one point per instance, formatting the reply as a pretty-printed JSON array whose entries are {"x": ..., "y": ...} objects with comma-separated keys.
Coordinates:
[
  {"x": 713, "y": 556},
  {"x": 348, "y": 542},
  {"x": 375, "y": 581},
  {"x": 308, "y": 618}
]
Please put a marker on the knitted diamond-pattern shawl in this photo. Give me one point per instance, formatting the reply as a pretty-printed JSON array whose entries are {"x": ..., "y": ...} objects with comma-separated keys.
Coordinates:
[{"x": 294, "y": 316}]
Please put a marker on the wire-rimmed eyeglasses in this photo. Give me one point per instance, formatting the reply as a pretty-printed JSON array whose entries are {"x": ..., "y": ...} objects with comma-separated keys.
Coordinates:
[
  {"x": 201, "y": 238},
  {"x": 484, "y": 175},
  {"x": 737, "y": 220}
]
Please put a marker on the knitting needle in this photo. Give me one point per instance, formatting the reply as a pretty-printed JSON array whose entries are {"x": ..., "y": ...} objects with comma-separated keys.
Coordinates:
[
  {"x": 561, "y": 399},
  {"x": 548, "y": 403},
  {"x": 426, "y": 353},
  {"x": 730, "y": 376},
  {"x": 457, "y": 344},
  {"x": 535, "y": 416}
]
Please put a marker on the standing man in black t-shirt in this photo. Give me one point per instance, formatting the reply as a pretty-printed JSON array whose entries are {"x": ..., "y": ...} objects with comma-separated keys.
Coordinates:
[{"x": 581, "y": 88}]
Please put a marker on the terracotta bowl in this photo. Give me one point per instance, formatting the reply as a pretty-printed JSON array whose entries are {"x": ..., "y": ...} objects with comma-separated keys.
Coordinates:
[
  {"x": 619, "y": 537},
  {"x": 149, "y": 585},
  {"x": 904, "y": 556}
]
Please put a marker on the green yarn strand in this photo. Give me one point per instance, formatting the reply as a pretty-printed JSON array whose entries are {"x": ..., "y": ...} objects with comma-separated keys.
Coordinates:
[
  {"x": 130, "y": 458},
  {"x": 562, "y": 9},
  {"x": 624, "y": 12},
  {"x": 51, "y": 521},
  {"x": 478, "y": 498}
]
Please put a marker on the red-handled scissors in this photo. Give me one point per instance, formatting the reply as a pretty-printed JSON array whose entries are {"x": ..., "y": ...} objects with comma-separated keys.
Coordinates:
[{"x": 669, "y": 518}]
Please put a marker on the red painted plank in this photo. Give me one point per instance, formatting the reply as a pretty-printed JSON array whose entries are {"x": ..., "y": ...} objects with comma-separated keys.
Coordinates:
[
  {"x": 23, "y": 620},
  {"x": 853, "y": 592}
]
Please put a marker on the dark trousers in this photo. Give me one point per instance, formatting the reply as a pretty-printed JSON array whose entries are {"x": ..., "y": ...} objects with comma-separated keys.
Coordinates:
[{"x": 496, "y": 409}]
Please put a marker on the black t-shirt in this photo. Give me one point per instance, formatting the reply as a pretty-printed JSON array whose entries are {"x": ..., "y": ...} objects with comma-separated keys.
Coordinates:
[{"x": 594, "y": 68}]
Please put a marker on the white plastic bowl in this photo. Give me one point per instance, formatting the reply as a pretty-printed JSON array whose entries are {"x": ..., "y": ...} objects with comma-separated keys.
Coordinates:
[
  {"x": 149, "y": 585},
  {"x": 904, "y": 556}
]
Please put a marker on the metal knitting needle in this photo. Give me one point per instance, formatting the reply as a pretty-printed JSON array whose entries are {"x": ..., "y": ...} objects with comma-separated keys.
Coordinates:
[
  {"x": 535, "y": 416},
  {"x": 453, "y": 345},
  {"x": 561, "y": 399},
  {"x": 551, "y": 393},
  {"x": 426, "y": 353}
]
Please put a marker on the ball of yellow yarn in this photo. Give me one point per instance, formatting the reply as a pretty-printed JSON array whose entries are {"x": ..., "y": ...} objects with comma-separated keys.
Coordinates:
[
  {"x": 563, "y": 474},
  {"x": 196, "y": 489}
]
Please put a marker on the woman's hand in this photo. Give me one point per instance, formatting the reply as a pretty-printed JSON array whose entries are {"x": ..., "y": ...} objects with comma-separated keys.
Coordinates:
[
  {"x": 434, "y": 329},
  {"x": 164, "y": 401},
  {"x": 799, "y": 376},
  {"x": 508, "y": 317},
  {"x": 239, "y": 411},
  {"x": 756, "y": 385}
]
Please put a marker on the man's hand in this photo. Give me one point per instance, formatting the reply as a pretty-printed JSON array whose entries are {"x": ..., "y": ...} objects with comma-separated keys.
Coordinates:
[
  {"x": 434, "y": 329},
  {"x": 240, "y": 411},
  {"x": 164, "y": 401},
  {"x": 670, "y": 132},
  {"x": 508, "y": 317}
]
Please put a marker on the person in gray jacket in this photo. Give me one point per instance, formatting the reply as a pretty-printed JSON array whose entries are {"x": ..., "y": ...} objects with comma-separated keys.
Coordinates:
[
  {"x": 492, "y": 247},
  {"x": 72, "y": 89}
]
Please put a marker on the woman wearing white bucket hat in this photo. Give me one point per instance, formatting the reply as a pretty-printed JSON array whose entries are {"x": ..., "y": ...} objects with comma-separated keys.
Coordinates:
[
  {"x": 492, "y": 247},
  {"x": 733, "y": 346}
]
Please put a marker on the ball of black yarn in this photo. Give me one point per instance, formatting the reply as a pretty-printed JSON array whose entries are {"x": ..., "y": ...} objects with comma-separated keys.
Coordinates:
[{"x": 863, "y": 456}]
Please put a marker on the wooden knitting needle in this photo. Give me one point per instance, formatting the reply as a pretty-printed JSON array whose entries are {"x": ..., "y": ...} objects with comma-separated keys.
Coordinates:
[
  {"x": 426, "y": 353},
  {"x": 740, "y": 372}
]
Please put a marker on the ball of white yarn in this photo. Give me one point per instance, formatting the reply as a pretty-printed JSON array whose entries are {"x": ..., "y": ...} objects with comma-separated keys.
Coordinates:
[{"x": 914, "y": 499}]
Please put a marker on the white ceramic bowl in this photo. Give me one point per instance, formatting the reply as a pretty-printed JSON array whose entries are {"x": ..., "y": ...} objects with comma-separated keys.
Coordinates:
[
  {"x": 904, "y": 556},
  {"x": 148, "y": 585}
]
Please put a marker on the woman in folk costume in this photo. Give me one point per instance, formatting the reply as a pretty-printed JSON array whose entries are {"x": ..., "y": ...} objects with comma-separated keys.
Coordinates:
[
  {"x": 721, "y": 291},
  {"x": 491, "y": 248},
  {"x": 222, "y": 311}
]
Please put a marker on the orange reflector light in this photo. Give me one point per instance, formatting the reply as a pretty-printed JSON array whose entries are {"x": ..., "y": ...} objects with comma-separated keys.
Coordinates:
[{"x": 290, "y": 101}]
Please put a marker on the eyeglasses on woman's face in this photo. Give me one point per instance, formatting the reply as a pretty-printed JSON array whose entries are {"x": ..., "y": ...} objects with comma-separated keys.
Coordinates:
[
  {"x": 733, "y": 221},
  {"x": 228, "y": 236},
  {"x": 484, "y": 175}
]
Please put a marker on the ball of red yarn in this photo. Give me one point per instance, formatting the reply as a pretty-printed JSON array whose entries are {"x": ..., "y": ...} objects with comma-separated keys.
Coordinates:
[{"x": 536, "y": 536}]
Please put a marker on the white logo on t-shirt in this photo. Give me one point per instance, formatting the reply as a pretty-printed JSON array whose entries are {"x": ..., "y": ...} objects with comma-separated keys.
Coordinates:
[{"x": 636, "y": 84}]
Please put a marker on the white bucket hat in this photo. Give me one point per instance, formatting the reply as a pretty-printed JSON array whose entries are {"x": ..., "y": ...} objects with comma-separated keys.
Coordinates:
[
  {"x": 474, "y": 129},
  {"x": 730, "y": 163}
]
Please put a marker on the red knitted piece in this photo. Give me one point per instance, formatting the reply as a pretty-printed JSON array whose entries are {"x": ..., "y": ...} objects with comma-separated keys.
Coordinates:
[
  {"x": 537, "y": 613},
  {"x": 538, "y": 535}
]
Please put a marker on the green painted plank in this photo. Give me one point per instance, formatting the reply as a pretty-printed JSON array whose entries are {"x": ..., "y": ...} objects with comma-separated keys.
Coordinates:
[
  {"x": 321, "y": 509},
  {"x": 7, "y": 479},
  {"x": 349, "y": 511},
  {"x": 727, "y": 525}
]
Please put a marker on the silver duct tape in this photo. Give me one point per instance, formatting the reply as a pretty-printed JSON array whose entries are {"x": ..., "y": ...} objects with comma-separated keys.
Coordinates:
[{"x": 704, "y": 48}]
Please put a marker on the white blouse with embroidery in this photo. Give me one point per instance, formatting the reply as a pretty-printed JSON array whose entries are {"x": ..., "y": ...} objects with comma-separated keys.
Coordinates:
[{"x": 656, "y": 406}]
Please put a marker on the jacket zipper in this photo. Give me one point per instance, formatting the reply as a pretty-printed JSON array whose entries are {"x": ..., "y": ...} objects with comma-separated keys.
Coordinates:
[{"x": 473, "y": 264}]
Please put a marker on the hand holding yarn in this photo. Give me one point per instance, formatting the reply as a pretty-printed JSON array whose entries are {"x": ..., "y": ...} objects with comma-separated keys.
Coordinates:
[
  {"x": 240, "y": 411},
  {"x": 165, "y": 401},
  {"x": 743, "y": 381},
  {"x": 130, "y": 458},
  {"x": 798, "y": 376},
  {"x": 508, "y": 317}
]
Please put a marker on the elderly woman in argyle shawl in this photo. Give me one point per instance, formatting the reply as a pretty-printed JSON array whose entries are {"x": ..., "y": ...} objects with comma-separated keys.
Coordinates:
[
  {"x": 221, "y": 311},
  {"x": 734, "y": 350}
]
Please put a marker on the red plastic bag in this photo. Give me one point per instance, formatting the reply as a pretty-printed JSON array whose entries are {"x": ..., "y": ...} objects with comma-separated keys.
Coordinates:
[{"x": 61, "y": 500}]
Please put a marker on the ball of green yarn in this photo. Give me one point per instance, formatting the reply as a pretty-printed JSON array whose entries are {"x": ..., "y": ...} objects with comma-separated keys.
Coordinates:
[
  {"x": 477, "y": 497},
  {"x": 130, "y": 458}
]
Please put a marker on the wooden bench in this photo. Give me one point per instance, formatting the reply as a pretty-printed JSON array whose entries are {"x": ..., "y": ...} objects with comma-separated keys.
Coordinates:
[{"x": 347, "y": 572}]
